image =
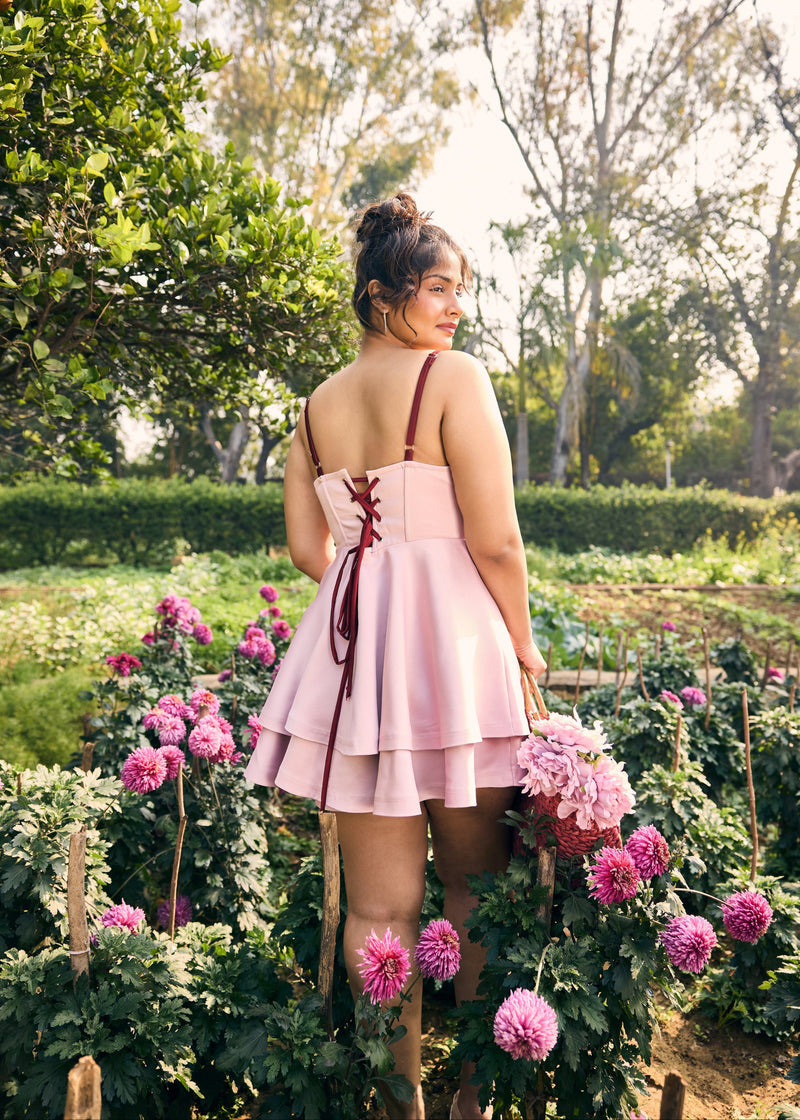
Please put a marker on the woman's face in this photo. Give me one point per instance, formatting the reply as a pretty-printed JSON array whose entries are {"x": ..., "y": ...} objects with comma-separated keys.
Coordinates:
[{"x": 429, "y": 319}]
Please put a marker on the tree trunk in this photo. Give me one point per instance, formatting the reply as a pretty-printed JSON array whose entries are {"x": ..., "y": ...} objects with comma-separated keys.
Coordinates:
[
  {"x": 268, "y": 441},
  {"x": 228, "y": 457},
  {"x": 522, "y": 473},
  {"x": 762, "y": 474}
]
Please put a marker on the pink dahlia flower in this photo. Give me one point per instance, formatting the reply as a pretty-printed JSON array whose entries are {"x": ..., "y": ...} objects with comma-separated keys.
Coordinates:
[
  {"x": 123, "y": 663},
  {"x": 124, "y": 916},
  {"x": 154, "y": 718},
  {"x": 747, "y": 915},
  {"x": 668, "y": 697},
  {"x": 171, "y": 731},
  {"x": 266, "y": 653},
  {"x": 174, "y": 705},
  {"x": 202, "y": 634},
  {"x": 255, "y": 731},
  {"x": 281, "y": 628},
  {"x": 774, "y": 674},
  {"x": 525, "y": 1026},
  {"x": 438, "y": 951},
  {"x": 183, "y": 912},
  {"x": 149, "y": 638},
  {"x": 688, "y": 941},
  {"x": 268, "y": 592},
  {"x": 649, "y": 851},
  {"x": 174, "y": 759},
  {"x": 225, "y": 675},
  {"x": 144, "y": 770},
  {"x": 274, "y": 612},
  {"x": 205, "y": 738},
  {"x": 568, "y": 731},
  {"x": 385, "y": 966},
  {"x": 202, "y": 697},
  {"x": 613, "y": 876},
  {"x": 693, "y": 697},
  {"x": 669, "y": 625}
]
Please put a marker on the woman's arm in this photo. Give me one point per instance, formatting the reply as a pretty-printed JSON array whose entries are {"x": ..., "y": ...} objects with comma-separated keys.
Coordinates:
[
  {"x": 477, "y": 450},
  {"x": 310, "y": 543}
]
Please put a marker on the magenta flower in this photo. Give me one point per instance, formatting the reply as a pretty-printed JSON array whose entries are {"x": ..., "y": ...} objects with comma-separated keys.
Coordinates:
[
  {"x": 144, "y": 770},
  {"x": 123, "y": 663},
  {"x": 774, "y": 674},
  {"x": 281, "y": 628},
  {"x": 649, "y": 851},
  {"x": 693, "y": 697},
  {"x": 668, "y": 625},
  {"x": 266, "y": 652},
  {"x": 183, "y": 912},
  {"x": 268, "y": 592},
  {"x": 171, "y": 731},
  {"x": 205, "y": 738},
  {"x": 438, "y": 952},
  {"x": 202, "y": 634},
  {"x": 255, "y": 731},
  {"x": 613, "y": 876},
  {"x": 747, "y": 915},
  {"x": 668, "y": 697},
  {"x": 174, "y": 759},
  {"x": 202, "y": 697},
  {"x": 275, "y": 612},
  {"x": 225, "y": 675},
  {"x": 525, "y": 1026},
  {"x": 688, "y": 941},
  {"x": 149, "y": 638},
  {"x": 154, "y": 718},
  {"x": 255, "y": 634},
  {"x": 124, "y": 916},
  {"x": 385, "y": 966}
]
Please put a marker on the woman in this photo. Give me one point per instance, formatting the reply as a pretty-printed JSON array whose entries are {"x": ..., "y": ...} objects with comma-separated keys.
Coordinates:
[{"x": 399, "y": 705}]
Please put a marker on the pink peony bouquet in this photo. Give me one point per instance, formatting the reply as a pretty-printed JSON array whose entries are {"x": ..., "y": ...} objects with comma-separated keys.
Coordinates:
[{"x": 563, "y": 759}]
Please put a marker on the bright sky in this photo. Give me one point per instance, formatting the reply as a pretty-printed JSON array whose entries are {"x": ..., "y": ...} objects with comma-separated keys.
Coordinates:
[{"x": 478, "y": 177}]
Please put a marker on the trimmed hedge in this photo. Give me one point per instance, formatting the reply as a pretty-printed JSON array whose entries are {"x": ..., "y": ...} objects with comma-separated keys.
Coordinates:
[{"x": 137, "y": 522}]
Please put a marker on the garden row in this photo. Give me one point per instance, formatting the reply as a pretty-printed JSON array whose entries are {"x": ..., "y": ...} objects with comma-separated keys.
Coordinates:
[
  {"x": 224, "y": 1013},
  {"x": 138, "y": 522}
]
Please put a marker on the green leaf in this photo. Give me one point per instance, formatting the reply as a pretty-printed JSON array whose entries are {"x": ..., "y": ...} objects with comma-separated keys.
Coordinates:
[
  {"x": 40, "y": 348},
  {"x": 96, "y": 163}
]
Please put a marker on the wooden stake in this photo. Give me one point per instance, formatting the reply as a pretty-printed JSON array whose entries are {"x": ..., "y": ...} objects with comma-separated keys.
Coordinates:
[
  {"x": 599, "y": 654},
  {"x": 641, "y": 675},
  {"x": 546, "y": 877},
  {"x": 580, "y": 664},
  {"x": 657, "y": 647},
  {"x": 792, "y": 687},
  {"x": 329, "y": 839},
  {"x": 676, "y": 758},
  {"x": 788, "y": 669},
  {"x": 751, "y": 793},
  {"x": 708, "y": 679},
  {"x": 84, "y": 1097},
  {"x": 673, "y": 1097},
  {"x": 76, "y": 905},
  {"x": 765, "y": 678},
  {"x": 621, "y": 684},
  {"x": 176, "y": 862}
]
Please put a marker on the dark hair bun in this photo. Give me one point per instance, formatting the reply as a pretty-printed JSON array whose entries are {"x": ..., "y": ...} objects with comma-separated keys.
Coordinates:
[{"x": 384, "y": 218}]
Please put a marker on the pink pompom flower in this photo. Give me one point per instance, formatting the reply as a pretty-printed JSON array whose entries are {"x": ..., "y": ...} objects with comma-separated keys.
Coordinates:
[
  {"x": 438, "y": 951},
  {"x": 747, "y": 915},
  {"x": 268, "y": 592},
  {"x": 255, "y": 731},
  {"x": 174, "y": 758},
  {"x": 202, "y": 634},
  {"x": 688, "y": 940},
  {"x": 149, "y": 638},
  {"x": 171, "y": 731},
  {"x": 144, "y": 770},
  {"x": 281, "y": 628},
  {"x": 385, "y": 966},
  {"x": 123, "y": 916},
  {"x": 525, "y": 1026},
  {"x": 693, "y": 697},
  {"x": 205, "y": 738},
  {"x": 774, "y": 673},
  {"x": 174, "y": 705},
  {"x": 613, "y": 876},
  {"x": 668, "y": 697},
  {"x": 204, "y": 698},
  {"x": 649, "y": 851},
  {"x": 183, "y": 912},
  {"x": 668, "y": 625}
]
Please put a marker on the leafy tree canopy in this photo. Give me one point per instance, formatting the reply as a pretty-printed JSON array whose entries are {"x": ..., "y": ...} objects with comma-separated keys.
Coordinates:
[{"x": 133, "y": 263}]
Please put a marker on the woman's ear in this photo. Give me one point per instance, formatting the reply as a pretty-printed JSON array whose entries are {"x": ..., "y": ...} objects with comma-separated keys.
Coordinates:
[{"x": 376, "y": 295}]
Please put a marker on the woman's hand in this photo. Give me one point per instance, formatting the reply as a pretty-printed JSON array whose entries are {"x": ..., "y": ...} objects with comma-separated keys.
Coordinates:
[{"x": 529, "y": 656}]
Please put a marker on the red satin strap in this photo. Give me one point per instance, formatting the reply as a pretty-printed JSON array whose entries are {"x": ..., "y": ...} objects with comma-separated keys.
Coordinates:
[
  {"x": 310, "y": 438},
  {"x": 412, "y": 423}
]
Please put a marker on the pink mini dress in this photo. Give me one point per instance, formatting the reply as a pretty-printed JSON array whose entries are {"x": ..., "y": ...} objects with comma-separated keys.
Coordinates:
[{"x": 401, "y": 683}]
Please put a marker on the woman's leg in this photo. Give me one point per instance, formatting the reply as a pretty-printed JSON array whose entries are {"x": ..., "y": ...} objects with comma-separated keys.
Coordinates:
[
  {"x": 384, "y": 870},
  {"x": 467, "y": 842}
]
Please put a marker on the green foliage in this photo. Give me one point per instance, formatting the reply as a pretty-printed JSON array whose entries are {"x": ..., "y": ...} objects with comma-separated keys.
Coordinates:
[
  {"x": 783, "y": 986},
  {"x": 134, "y": 263},
  {"x": 776, "y": 775},
  {"x": 39, "y": 811},
  {"x": 598, "y": 966}
]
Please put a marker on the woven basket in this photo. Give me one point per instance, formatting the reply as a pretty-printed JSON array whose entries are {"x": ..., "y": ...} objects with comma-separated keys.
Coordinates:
[{"x": 548, "y": 827}]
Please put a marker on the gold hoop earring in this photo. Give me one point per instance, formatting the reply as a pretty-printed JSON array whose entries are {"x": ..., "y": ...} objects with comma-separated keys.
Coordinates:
[{"x": 385, "y": 324}]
